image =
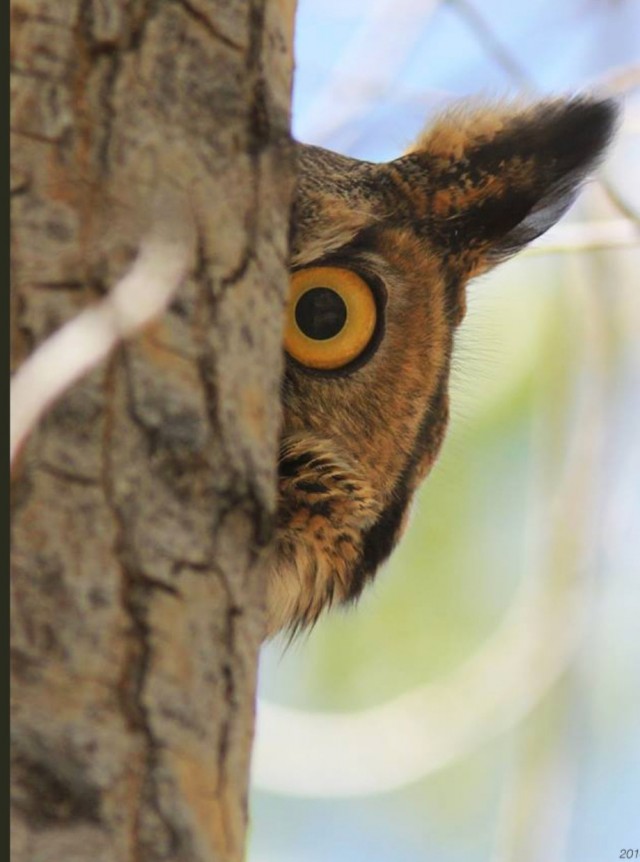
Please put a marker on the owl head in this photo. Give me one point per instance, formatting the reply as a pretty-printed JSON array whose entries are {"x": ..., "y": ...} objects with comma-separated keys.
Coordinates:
[{"x": 381, "y": 255}]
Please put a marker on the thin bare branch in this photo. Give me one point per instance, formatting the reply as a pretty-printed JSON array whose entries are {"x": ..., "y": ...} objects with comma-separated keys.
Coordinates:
[
  {"x": 492, "y": 45},
  {"x": 621, "y": 82},
  {"x": 588, "y": 236},
  {"x": 78, "y": 346}
]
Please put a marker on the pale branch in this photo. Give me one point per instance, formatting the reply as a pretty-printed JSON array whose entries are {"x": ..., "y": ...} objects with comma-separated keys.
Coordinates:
[
  {"x": 78, "y": 346},
  {"x": 432, "y": 725},
  {"x": 588, "y": 236}
]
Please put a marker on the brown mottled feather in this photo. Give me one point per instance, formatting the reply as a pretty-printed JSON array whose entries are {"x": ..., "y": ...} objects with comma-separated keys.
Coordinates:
[{"x": 478, "y": 185}]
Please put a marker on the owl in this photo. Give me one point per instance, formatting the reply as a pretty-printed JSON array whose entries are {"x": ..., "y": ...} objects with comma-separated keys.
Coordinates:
[{"x": 380, "y": 258}]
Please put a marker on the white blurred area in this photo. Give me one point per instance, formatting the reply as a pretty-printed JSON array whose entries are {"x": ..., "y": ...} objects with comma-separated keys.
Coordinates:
[{"x": 142, "y": 295}]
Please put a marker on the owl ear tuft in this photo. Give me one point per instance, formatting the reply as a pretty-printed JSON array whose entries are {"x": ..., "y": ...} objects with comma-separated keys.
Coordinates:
[{"x": 500, "y": 177}]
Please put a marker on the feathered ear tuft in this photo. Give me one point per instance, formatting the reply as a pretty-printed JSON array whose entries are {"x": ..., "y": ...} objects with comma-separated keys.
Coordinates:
[{"x": 498, "y": 178}]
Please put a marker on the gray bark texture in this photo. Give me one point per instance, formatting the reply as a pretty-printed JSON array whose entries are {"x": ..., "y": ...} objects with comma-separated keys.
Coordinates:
[{"x": 142, "y": 500}]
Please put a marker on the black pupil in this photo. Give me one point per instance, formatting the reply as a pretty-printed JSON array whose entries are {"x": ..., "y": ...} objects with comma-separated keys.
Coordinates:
[{"x": 321, "y": 313}]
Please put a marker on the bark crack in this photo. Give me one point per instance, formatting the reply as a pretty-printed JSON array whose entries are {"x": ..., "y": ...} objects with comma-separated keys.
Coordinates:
[
  {"x": 35, "y": 136},
  {"x": 208, "y": 25},
  {"x": 63, "y": 475},
  {"x": 134, "y": 596},
  {"x": 36, "y": 74}
]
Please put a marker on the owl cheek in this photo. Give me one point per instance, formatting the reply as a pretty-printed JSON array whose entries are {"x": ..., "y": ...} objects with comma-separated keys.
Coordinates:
[{"x": 311, "y": 567}]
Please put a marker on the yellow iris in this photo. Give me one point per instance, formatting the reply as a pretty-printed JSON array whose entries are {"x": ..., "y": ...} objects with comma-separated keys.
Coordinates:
[{"x": 331, "y": 317}]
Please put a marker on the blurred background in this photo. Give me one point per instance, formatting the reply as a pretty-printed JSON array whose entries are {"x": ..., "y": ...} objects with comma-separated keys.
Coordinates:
[{"x": 482, "y": 702}]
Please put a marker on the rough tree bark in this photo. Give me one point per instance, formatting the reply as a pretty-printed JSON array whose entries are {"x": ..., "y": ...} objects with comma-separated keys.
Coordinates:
[{"x": 142, "y": 500}]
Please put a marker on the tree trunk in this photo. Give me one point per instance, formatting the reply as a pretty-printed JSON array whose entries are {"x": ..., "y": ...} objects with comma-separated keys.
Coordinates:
[{"x": 143, "y": 499}]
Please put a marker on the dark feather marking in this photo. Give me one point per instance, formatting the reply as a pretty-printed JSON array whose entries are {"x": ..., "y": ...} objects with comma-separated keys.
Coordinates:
[
  {"x": 381, "y": 537},
  {"x": 311, "y": 487}
]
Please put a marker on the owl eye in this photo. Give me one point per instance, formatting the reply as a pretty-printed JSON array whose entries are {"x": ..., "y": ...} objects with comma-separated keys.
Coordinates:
[{"x": 331, "y": 317}]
